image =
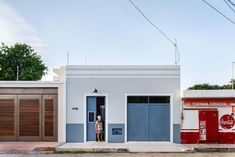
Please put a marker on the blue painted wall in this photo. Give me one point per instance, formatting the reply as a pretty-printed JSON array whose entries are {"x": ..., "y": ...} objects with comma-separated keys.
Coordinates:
[
  {"x": 176, "y": 133},
  {"x": 112, "y": 136},
  {"x": 74, "y": 133}
]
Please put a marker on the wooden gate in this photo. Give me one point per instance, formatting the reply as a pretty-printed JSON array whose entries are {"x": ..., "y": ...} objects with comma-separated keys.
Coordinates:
[
  {"x": 28, "y": 117},
  {"x": 49, "y": 117},
  {"x": 8, "y": 119}
]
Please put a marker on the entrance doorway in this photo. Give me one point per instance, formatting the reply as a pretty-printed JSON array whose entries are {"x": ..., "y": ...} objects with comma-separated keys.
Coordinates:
[
  {"x": 208, "y": 126},
  {"x": 95, "y": 107}
]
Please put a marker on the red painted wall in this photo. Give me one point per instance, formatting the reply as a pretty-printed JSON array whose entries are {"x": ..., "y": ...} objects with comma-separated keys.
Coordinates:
[
  {"x": 189, "y": 137},
  {"x": 193, "y": 137},
  {"x": 227, "y": 137}
]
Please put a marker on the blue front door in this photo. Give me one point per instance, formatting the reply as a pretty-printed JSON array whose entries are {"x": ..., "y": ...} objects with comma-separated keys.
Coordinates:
[{"x": 91, "y": 118}]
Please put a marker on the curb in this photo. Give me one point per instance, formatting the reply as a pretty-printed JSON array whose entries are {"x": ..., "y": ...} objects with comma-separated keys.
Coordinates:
[
  {"x": 92, "y": 150},
  {"x": 214, "y": 149},
  {"x": 115, "y": 150},
  {"x": 44, "y": 149}
]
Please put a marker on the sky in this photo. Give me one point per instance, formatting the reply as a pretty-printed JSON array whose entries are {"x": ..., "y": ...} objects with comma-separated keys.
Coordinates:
[{"x": 101, "y": 32}]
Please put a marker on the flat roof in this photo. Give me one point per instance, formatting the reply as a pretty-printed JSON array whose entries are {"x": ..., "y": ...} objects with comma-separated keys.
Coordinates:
[
  {"x": 22, "y": 84},
  {"x": 209, "y": 94},
  {"x": 120, "y": 71}
]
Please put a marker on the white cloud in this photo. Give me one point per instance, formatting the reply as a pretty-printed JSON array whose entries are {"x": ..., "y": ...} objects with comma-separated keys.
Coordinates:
[{"x": 14, "y": 28}]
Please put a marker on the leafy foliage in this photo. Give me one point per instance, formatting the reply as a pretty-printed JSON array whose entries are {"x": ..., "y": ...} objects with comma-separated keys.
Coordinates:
[
  {"x": 206, "y": 86},
  {"x": 30, "y": 64}
]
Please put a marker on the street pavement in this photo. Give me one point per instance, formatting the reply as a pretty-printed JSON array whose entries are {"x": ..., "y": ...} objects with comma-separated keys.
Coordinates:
[{"x": 125, "y": 155}]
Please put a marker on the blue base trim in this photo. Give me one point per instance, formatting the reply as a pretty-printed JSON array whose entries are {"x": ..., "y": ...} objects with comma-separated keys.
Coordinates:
[
  {"x": 116, "y": 133},
  {"x": 74, "y": 133},
  {"x": 176, "y": 133}
]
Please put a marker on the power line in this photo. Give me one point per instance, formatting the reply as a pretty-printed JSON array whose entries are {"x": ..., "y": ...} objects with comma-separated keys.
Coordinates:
[
  {"x": 177, "y": 54},
  {"x": 173, "y": 43},
  {"x": 218, "y": 11},
  {"x": 132, "y": 14},
  {"x": 225, "y": 1},
  {"x": 232, "y": 3}
]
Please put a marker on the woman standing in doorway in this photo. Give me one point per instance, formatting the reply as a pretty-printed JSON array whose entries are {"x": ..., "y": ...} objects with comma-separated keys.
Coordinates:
[{"x": 99, "y": 129}]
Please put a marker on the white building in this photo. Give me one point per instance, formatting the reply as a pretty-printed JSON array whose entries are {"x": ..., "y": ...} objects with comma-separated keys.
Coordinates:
[{"x": 137, "y": 103}]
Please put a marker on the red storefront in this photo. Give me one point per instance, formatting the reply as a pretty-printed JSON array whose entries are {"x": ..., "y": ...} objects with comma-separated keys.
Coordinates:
[{"x": 208, "y": 116}]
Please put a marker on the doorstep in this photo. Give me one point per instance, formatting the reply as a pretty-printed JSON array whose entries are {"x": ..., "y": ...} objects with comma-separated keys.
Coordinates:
[{"x": 133, "y": 147}]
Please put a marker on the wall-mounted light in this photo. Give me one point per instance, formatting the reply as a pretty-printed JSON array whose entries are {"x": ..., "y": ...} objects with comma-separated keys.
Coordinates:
[{"x": 95, "y": 91}]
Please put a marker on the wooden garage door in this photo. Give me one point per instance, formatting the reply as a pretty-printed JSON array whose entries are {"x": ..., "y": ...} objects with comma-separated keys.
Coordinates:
[
  {"x": 7, "y": 117},
  {"x": 49, "y": 118},
  {"x": 29, "y": 118}
]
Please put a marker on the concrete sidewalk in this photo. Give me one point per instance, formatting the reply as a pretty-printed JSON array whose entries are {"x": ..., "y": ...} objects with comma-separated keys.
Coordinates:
[
  {"x": 135, "y": 147},
  {"x": 27, "y": 147}
]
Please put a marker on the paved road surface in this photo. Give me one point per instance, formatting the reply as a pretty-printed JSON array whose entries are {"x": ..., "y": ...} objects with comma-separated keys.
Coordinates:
[{"x": 125, "y": 155}]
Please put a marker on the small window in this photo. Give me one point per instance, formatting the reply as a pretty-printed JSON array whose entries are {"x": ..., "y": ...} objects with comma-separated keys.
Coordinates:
[
  {"x": 91, "y": 117},
  {"x": 116, "y": 131},
  {"x": 137, "y": 99},
  {"x": 159, "y": 99}
]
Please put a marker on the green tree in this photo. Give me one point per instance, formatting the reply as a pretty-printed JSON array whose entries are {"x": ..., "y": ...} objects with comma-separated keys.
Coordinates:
[
  {"x": 22, "y": 57},
  {"x": 205, "y": 86},
  {"x": 229, "y": 86}
]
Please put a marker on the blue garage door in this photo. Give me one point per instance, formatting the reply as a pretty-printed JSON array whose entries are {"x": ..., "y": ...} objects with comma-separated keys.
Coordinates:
[{"x": 148, "y": 119}]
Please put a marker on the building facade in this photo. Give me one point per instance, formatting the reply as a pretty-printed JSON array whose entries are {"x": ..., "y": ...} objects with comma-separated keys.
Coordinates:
[
  {"x": 208, "y": 116},
  {"x": 136, "y": 103},
  {"x": 32, "y": 111}
]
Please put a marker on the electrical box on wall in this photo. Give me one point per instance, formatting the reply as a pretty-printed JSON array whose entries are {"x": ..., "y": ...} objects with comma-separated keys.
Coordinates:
[{"x": 233, "y": 110}]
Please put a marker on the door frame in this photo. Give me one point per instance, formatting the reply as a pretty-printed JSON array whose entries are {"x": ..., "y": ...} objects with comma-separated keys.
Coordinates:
[
  {"x": 106, "y": 114},
  {"x": 171, "y": 112}
]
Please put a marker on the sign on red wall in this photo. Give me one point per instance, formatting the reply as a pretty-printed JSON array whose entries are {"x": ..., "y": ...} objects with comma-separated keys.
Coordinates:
[
  {"x": 227, "y": 121},
  {"x": 209, "y": 101}
]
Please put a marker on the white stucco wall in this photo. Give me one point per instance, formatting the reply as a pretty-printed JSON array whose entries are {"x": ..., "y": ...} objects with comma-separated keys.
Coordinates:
[
  {"x": 116, "y": 82},
  {"x": 190, "y": 120}
]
